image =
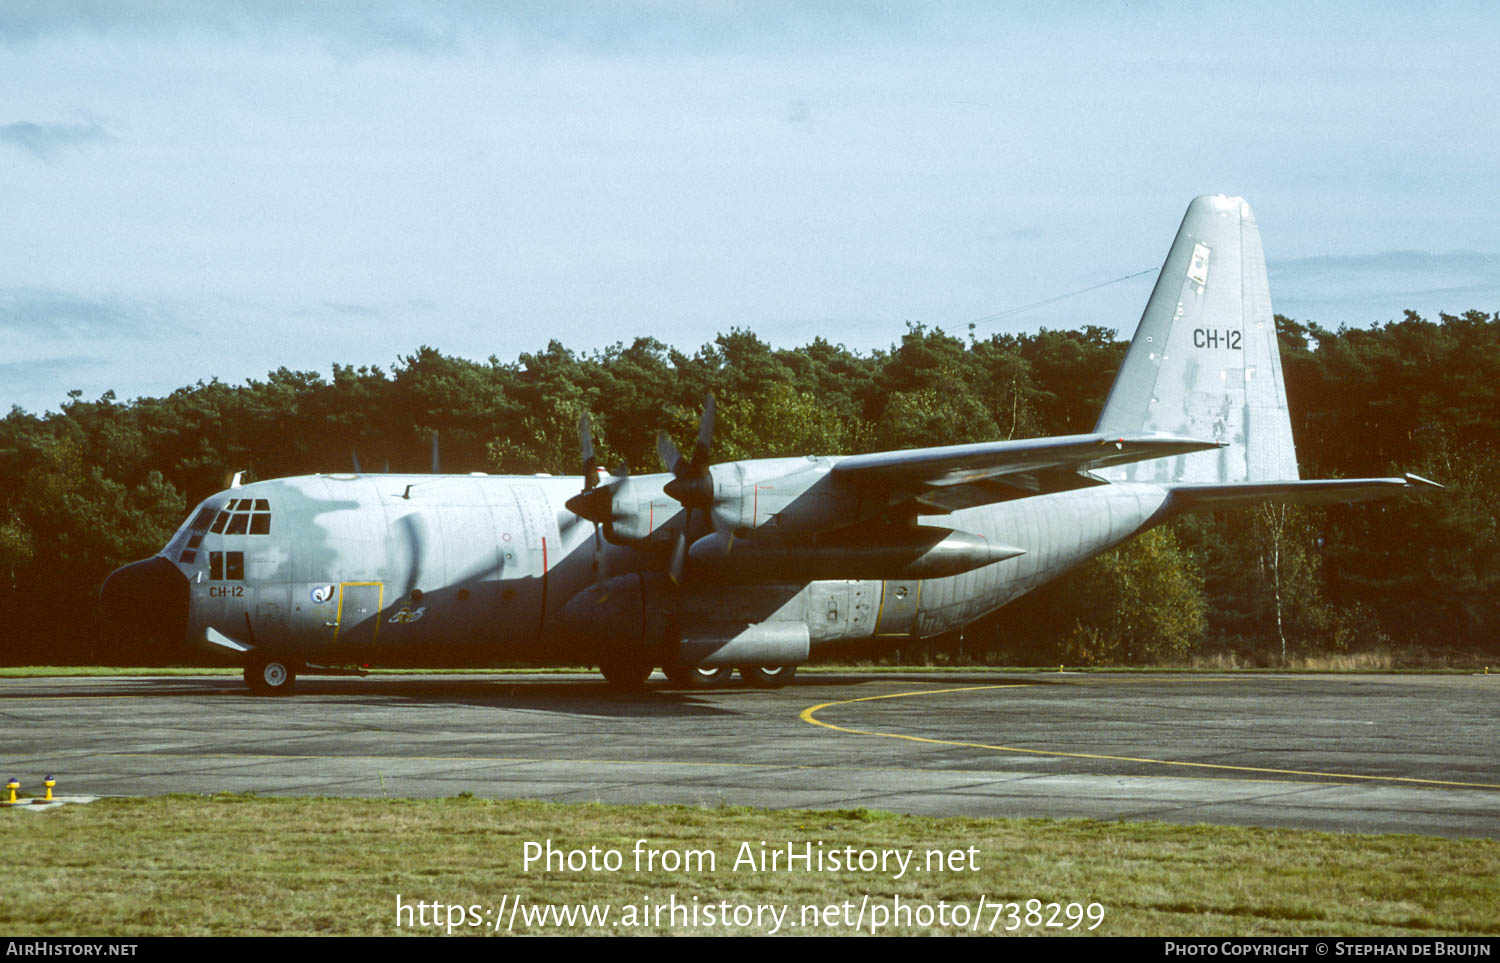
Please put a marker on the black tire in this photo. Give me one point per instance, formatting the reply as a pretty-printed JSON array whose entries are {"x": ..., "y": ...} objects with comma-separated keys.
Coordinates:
[
  {"x": 626, "y": 675},
  {"x": 698, "y": 677},
  {"x": 767, "y": 676},
  {"x": 270, "y": 677}
]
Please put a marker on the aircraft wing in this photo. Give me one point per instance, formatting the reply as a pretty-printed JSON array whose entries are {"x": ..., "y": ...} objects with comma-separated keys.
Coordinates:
[
  {"x": 1321, "y": 491},
  {"x": 961, "y": 476}
]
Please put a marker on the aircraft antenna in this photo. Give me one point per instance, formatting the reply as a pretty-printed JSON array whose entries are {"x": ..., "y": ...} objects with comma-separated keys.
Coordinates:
[{"x": 1059, "y": 297}]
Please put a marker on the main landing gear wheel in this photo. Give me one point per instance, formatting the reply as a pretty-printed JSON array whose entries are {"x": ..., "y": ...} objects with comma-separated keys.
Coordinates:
[
  {"x": 624, "y": 674},
  {"x": 270, "y": 677},
  {"x": 698, "y": 677},
  {"x": 767, "y": 676}
]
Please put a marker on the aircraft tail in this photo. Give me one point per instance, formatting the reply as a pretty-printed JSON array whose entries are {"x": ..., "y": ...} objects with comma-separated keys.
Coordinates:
[{"x": 1204, "y": 362}]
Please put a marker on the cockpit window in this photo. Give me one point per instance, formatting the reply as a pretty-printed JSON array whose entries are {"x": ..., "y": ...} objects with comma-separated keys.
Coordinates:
[
  {"x": 238, "y": 516},
  {"x": 244, "y": 516},
  {"x": 196, "y": 529}
]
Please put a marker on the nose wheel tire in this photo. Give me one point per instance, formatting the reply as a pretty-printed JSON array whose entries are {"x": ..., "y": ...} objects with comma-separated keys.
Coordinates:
[
  {"x": 270, "y": 677},
  {"x": 698, "y": 677},
  {"x": 767, "y": 676}
]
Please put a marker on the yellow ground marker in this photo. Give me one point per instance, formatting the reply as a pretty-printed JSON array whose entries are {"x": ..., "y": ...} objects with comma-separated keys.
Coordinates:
[{"x": 809, "y": 715}]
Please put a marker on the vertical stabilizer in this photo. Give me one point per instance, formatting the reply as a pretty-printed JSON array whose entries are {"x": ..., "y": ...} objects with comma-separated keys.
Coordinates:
[{"x": 1204, "y": 362}]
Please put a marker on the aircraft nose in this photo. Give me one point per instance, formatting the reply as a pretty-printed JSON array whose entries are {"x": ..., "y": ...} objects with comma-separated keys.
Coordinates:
[{"x": 145, "y": 606}]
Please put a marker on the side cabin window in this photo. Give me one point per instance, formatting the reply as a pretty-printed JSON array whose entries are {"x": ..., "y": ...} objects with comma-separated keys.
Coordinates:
[{"x": 226, "y": 566}]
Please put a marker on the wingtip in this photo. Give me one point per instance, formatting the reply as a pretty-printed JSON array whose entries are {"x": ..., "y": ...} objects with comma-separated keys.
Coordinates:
[{"x": 1418, "y": 481}]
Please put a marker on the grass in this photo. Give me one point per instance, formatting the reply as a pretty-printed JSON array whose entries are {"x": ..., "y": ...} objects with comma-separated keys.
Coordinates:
[{"x": 236, "y": 865}]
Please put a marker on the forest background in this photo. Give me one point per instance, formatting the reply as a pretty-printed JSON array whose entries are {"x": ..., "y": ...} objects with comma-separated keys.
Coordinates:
[{"x": 102, "y": 482}]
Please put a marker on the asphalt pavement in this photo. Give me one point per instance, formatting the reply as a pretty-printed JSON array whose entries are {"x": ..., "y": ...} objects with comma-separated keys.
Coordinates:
[{"x": 1377, "y": 753}]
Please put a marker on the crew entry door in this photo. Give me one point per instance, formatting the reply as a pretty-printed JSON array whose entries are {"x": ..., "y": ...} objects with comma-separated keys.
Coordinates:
[
  {"x": 358, "y": 621},
  {"x": 899, "y": 602}
]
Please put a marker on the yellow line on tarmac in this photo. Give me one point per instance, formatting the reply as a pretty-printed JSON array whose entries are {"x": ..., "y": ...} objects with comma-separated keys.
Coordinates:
[{"x": 809, "y": 714}]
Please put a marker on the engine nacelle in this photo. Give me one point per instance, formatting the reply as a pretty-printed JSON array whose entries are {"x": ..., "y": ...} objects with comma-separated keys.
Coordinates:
[
  {"x": 635, "y": 613},
  {"x": 781, "y": 497},
  {"x": 784, "y": 496},
  {"x": 639, "y": 507}
]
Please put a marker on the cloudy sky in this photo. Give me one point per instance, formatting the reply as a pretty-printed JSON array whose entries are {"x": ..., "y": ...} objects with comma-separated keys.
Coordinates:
[{"x": 198, "y": 190}]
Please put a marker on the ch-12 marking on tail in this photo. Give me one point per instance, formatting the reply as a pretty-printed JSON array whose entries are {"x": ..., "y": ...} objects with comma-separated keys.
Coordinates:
[{"x": 706, "y": 569}]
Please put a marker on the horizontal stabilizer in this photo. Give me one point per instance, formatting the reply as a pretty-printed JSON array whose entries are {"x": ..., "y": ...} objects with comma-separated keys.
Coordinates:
[
  {"x": 964, "y": 464},
  {"x": 1322, "y": 491}
]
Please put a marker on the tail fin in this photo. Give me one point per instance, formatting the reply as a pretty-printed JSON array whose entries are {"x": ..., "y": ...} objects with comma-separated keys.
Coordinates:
[{"x": 1204, "y": 362}]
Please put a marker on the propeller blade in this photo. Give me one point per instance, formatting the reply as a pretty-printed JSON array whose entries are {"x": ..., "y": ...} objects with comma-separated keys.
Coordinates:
[
  {"x": 355, "y": 455},
  {"x": 601, "y": 566},
  {"x": 679, "y": 557},
  {"x": 590, "y": 463},
  {"x": 670, "y": 457},
  {"x": 705, "y": 439},
  {"x": 594, "y": 503},
  {"x": 692, "y": 487},
  {"x": 435, "y": 469}
]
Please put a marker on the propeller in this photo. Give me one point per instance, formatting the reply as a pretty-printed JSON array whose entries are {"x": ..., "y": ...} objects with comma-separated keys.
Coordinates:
[
  {"x": 692, "y": 484},
  {"x": 596, "y": 502}
]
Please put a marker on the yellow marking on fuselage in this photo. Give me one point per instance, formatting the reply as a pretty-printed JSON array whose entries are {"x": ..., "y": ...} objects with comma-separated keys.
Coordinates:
[
  {"x": 379, "y": 607},
  {"x": 916, "y": 612}
]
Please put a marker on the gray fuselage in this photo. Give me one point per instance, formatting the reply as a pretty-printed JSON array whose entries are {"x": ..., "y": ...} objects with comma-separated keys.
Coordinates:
[{"x": 477, "y": 569}]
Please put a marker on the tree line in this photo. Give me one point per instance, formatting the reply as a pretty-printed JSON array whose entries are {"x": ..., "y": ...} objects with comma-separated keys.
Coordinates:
[{"x": 103, "y": 482}]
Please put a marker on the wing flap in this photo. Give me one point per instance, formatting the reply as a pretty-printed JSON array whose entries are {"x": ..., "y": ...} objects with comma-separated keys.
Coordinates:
[
  {"x": 1002, "y": 488},
  {"x": 963, "y": 465}
]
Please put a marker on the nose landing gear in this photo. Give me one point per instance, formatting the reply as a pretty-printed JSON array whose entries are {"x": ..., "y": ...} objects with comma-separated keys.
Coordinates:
[{"x": 267, "y": 677}]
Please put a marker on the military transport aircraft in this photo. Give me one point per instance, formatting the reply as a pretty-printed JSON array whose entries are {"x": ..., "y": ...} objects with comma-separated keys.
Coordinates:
[{"x": 751, "y": 565}]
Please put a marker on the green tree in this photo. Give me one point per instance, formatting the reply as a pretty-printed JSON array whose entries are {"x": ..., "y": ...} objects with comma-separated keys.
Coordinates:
[
  {"x": 1141, "y": 602},
  {"x": 780, "y": 422}
]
